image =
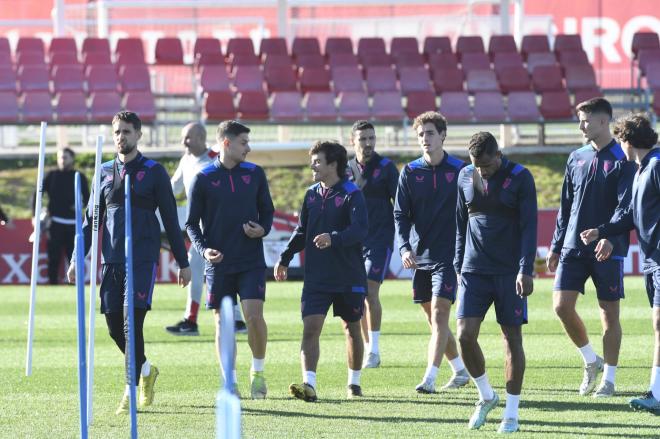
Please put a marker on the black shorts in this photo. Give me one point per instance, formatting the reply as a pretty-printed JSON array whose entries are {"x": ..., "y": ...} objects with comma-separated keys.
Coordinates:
[{"x": 348, "y": 306}]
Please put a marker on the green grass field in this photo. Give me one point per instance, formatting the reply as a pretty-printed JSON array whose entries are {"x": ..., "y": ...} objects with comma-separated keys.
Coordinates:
[{"x": 45, "y": 405}]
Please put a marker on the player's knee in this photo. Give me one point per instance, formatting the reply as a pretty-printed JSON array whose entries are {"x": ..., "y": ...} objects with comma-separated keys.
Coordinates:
[
  {"x": 466, "y": 337},
  {"x": 563, "y": 309}
]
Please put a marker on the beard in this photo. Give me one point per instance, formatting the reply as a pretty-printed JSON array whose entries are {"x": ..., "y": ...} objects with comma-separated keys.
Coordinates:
[{"x": 127, "y": 149}]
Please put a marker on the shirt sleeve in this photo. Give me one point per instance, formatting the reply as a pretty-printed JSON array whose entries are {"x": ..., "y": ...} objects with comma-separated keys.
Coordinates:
[
  {"x": 298, "y": 237},
  {"x": 168, "y": 213},
  {"x": 403, "y": 214},
  {"x": 265, "y": 204},
  {"x": 196, "y": 206},
  {"x": 461, "y": 227},
  {"x": 392, "y": 181},
  {"x": 177, "y": 179},
  {"x": 359, "y": 224},
  {"x": 85, "y": 188},
  {"x": 564, "y": 213},
  {"x": 528, "y": 218},
  {"x": 88, "y": 221}
]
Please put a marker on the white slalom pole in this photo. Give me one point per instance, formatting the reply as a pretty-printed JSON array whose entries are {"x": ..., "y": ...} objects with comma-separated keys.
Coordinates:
[
  {"x": 96, "y": 187},
  {"x": 227, "y": 405},
  {"x": 35, "y": 247}
]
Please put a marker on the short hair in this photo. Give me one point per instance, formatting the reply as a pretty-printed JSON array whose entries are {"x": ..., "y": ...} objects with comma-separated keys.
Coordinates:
[
  {"x": 334, "y": 153},
  {"x": 482, "y": 143},
  {"x": 595, "y": 105},
  {"x": 129, "y": 117},
  {"x": 230, "y": 129},
  {"x": 69, "y": 151},
  {"x": 635, "y": 129},
  {"x": 199, "y": 127},
  {"x": 433, "y": 117},
  {"x": 361, "y": 125}
]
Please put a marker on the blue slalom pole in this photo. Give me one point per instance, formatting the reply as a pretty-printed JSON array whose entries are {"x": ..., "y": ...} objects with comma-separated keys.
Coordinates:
[
  {"x": 130, "y": 353},
  {"x": 228, "y": 407},
  {"x": 80, "y": 305}
]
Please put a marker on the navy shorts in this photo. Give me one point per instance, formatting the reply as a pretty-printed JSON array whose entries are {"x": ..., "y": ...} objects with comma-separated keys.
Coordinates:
[
  {"x": 607, "y": 276},
  {"x": 434, "y": 282},
  {"x": 376, "y": 263},
  {"x": 478, "y": 291},
  {"x": 348, "y": 306},
  {"x": 249, "y": 284},
  {"x": 113, "y": 286},
  {"x": 653, "y": 288}
]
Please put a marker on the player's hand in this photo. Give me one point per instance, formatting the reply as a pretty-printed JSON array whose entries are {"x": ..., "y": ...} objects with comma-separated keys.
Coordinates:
[
  {"x": 253, "y": 230},
  {"x": 409, "y": 260},
  {"x": 589, "y": 236},
  {"x": 185, "y": 274},
  {"x": 552, "y": 260},
  {"x": 603, "y": 250},
  {"x": 524, "y": 285},
  {"x": 213, "y": 256},
  {"x": 71, "y": 273},
  {"x": 280, "y": 272},
  {"x": 323, "y": 241}
]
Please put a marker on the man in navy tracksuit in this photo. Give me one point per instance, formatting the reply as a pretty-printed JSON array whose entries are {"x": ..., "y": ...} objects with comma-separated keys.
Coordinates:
[
  {"x": 232, "y": 200},
  {"x": 150, "y": 190},
  {"x": 331, "y": 229},
  {"x": 638, "y": 141},
  {"x": 424, "y": 214},
  {"x": 496, "y": 222},
  {"x": 377, "y": 178},
  {"x": 596, "y": 188}
]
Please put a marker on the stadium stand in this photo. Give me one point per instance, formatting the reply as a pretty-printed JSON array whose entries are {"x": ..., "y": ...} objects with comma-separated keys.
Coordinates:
[
  {"x": 337, "y": 45},
  {"x": 320, "y": 106},
  {"x": 286, "y": 107},
  {"x": 354, "y": 105},
  {"x": 169, "y": 51}
]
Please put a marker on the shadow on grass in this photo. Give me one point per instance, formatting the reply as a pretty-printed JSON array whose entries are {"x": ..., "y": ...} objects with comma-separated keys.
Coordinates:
[
  {"x": 596, "y": 426},
  {"x": 571, "y": 406}
]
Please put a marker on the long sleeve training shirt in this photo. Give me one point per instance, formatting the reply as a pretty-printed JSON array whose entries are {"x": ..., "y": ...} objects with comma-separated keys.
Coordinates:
[{"x": 59, "y": 185}]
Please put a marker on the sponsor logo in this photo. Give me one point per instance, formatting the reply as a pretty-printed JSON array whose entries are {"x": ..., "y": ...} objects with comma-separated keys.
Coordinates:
[
  {"x": 142, "y": 296},
  {"x": 517, "y": 312},
  {"x": 449, "y": 176},
  {"x": 338, "y": 201},
  {"x": 581, "y": 162},
  {"x": 614, "y": 289},
  {"x": 215, "y": 183},
  {"x": 419, "y": 178},
  {"x": 262, "y": 288},
  {"x": 140, "y": 175},
  {"x": 357, "y": 310},
  {"x": 246, "y": 179},
  {"x": 507, "y": 183},
  {"x": 375, "y": 269},
  {"x": 448, "y": 287}
]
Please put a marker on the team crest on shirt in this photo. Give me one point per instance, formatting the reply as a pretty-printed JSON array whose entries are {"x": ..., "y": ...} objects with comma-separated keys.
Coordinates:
[
  {"x": 140, "y": 175},
  {"x": 449, "y": 176},
  {"x": 246, "y": 179},
  {"x": 338, "y": 201},
  {"x": 608, "y": 165},
  {"x": 506, "y": 183},
  {"x": 376, "y": 173}
]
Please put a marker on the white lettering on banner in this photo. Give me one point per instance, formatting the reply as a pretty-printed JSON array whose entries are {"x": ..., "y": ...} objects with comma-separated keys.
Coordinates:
[
  {"x": 168, "y": 267},
  {"x": 635, "y": 24},
  {"x": 570, "y": 26},
  {"x": 150, "y": 38},
  {"x": 16, "y": 268},
  {"x": 603, "y": 33}
]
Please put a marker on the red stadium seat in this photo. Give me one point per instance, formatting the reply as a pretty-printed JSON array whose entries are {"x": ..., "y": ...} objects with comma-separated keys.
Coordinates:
[
  {"x": 469, "y": 44},
  {"x": 4, "y": 46},
  {"x": 30, "y": 59},
  {"x": 646, "y": 57},
  {"x": 214, "y": 78},
  {"x": 68, "y": 77},
  {"x": 305, "y": 46},
  {"x": 103, "y": 106},
  {"x": 310, "y": 60},
  {"x": 513, "y": 79},
  {"x": 97, "y": 59},
  {"x": 134, "y": 78},
  {"x": 206, "y": 45},
  {"x": 568, "y": 43},
  {"x": 6, "y": 60},
  {"x": 489, "y": 107},
  {"x": 240, "y": 45},
  {"x": 417, "y": 102},
  {"x": 371, "y": 45},
  {"x": 414, "y": 79},
  {"x": 130, "y": 59},
  {"x": 501, "y": 44},
  {"x": 314, "y": 79},
  {"x": 481, "y": 80},
  {"x": 644, "y": 40},
  {"x": 36, "y": 106},
  {"x": 507, "y": 60},
  {"x": 580, "y": 78},
  {"x": 380, "y": 79},
  {"x": 354, "y": 105},
  {"x": 534, "y": 44},
  {"x": 248, "y": 78},
  {"x": 556, "y": 105},
  {"x": 142, "y": 103},
  {"x": 219, "y": 105},
  {"x": 335, "y": 45},
  {"x": 535, "y": 60},
  {"x": 280, "y": 78},
  {"x": 169, "y": 51},
  {"x": 130, "y": 45},
  {"x": 372, "y": 59},
  {"x": 7, "y": 79},
  {"x": 585, "y": 94},
  {"x": 433, "y": 45},
  {"x": 30, "y": 44},
  {"x": 63, "y": 59},
  {"x": 522, "y": 107},
  {"x": 102, "y": 78},
  {"x": 273, "y": 46},
  {"x": 8, "y": 107},
  {"x": 286, "y": 107},
  {"x": 442, "y": 61},
  {"x": 342, "y": 59},
  {"x": 32, "y": 78},
  {"x": 656, "y": 102},
  {"x": 547, "y": 78},
  {"x": 252, "y": 105},
  {"x": 653, "y": 76},
  {"x": 408, "y": 59},
  {"x": 403, "y": 44},
  {"x": 475, "y": 61},
  {"x": 347, "y": 79},
  {"x": 62, "y": 44},
  {"x": 448, "y": 80},
  {"x": 93, "y": 44},
  {"x": 243, "y": 60},
  {"x": 576, "y": 58},
  {"x": 386, "y": 106},
  {"x": 320, "y": 106},
  {"x": 71, "y": 107},
  {"x": 209, "y": 59},
  {"x": 276, "y": 60},
  {"x": 455, "y": 106}
]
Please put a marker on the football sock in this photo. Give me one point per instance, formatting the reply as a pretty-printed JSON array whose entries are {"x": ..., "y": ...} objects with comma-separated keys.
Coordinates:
[
  {"x": 457, "y": 364},
  {"x": 309, "y": 377},
  {"x": 511, "y": 408},
  {"x": 588, "y": 354},
  {"x": 655, "y": 382},
  {"x": 431, "y": 373},
  {"x": 373, "y": 341},
  {"x": 483, "y": 386},
  {"x": 609, "y": 373},
  {"x": 193, "y": 311},
  {"x": 354, "y": 377},
  {"x": 127, "y": 390},
  {"x": 258, "y": 364},
  {"x": 146, "y": 369}
]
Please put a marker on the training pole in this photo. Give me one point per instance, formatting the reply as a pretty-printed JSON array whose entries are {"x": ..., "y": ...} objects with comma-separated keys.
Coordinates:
[
  {"x": 80, "y": 306},
  {"x": 228, "y": 407},
  {"x": 96, "y": 187},
  {"x": 128, "y": 304},
  {"x": 35, "y": 247}
]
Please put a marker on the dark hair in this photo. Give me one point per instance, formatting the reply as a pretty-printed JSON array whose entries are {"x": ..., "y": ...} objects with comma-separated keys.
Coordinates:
[
  {"x": 635, "y": 129},
  {"x": 595, "y": 105},
  {"x": 334, "y": 152},
  {"x": 69, "y": 151},
  {"x": 361, "y": 125},
  {"x": 433, "y": 117},
  {"x": 230, "y": 129},
  {"x": 482, "y": 143},
  {"x": 130, "y": 117}
]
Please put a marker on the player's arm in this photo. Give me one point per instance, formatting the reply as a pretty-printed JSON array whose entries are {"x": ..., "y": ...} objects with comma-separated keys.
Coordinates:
[
  {"x": 462, "y": 217},
  {"x": 296, "y": 243},
  {"x": 564, "y": 213},
  {"x": 196, "y": 207},
  {"x": 265, "y": 209},
  {"x": 359, "y": 225},
  {"x": 168, "y": 213},
  {"x": 403, "y": 214},
  {"x": 177, "y": 179},
  {"x": 392, "y": 181},
  {"x": 528, "y": 219}
]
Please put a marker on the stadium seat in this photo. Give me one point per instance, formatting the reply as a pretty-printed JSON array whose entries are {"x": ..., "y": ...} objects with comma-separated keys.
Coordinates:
[
  {"x": 584, "y": 94},
  {"x": 68, "y": 77},
  {"x": 346, "y": 79},
  {"x": 63, "y": 59},
  {"x": 243, "y": 60},
  {"x": 575, "y": 58},
  {"x": 93, "y": 44},
  {"x": 30, "y": 44},
  {"x": 342, "y": 59},
  {"x": 380, "y": 79},
  {"x": 469, "y": 44},
  {"x": 647, "y": 56},
  {"x": 408, "y": 59},
  {"x": 656, "y": 102},
  {"x": 373, "y": 59},
  {"x": 102, "y": 78},
  {"x": 653, "y": 76},
  {"x": 71, "y": 107},
  {"x": 6, "y": 60},
  {"x": 62, "y": 44},
  {"x": 501, "y": 44},
  {"x": 133, "y": 46},
  {"x": 7, "y": 79},
  {"x": 522, "y": 107},
  {"x": 417, "y": 102},
  {"x": 513, "y": 79},
  {"x": 276, "y": 60},
  {"x": 455, "y": 106},
  {"x": 169, "y": 51},
  {"x": 209, "y": 59},
  {"x": 547, "y": 78},
  {"x": 314, "y": 79},
  {"x": 505, "y": 60},
  {"x": 97, "y": 59},
  {"x": 142, "y": 103},
  {"x": 30, "y": 59},
  {"x": 403, "y": 44},
  {"x": 320, "y": 106},
  {"x": 285, "y": 106},
  {"x": 252, "y": 105},
  {"x": 248, "y": 78},
  {"x": 536, "y": 59},
  {"x": 310, "y": 60},
  {"x": 580, "y": 78},
  {"x": 433, "y": 45},
  {"x": 568, "y": 43},
  {"x": 386, "y": 106},
  {"x": 103, "y": 106},
  {"x": 134, "y": 78},
  {"x": 556, "y": 105},
  {"x": 280, "y": 78},
  {"x": 534, "y": 44},
  {"x": 371, "y": 45},
  {"x": 448, "y": 80},
  {"x": 32, "y": 78},
  {"x": 481, "y": 80},
  {"x": 206, "y": 45},
  {"x": 240, "y": 45},
  {"x": 36, "y": 106},
  {"x": 305, "y": 46},
  {"x": 273, "y": 46},
  {"x": 130, "y": 59},
  {"x": 413, "y": 79},
  {"x": 354, "y": 105},
  {"x": 336, "y": 45},
  {"x": 644, "y": 40},
  {"x": 475, "y": 61},
  {"x": 442, "y": 61},
  {"x": 8, "y": 107},
  {"x": 214, "y": 78},
  {"x": 4, "y": 46},
  {"x": 219, "y": 105},
  {"x": 489, "y": 107}
]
